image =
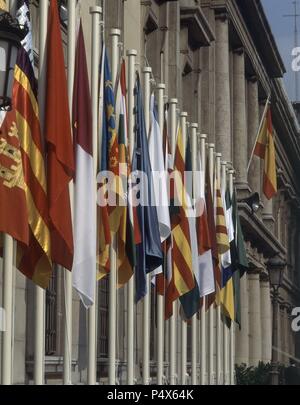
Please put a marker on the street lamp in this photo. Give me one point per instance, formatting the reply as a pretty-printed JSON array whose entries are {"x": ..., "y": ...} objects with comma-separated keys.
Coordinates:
[
  {"x": 11, "y": 35},
  {"x": 276, "y": 267}
]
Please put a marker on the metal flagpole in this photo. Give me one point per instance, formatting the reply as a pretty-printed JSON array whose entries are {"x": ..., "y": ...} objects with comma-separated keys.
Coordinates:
[
  {"x": 211, "y": 342},
  {"x": 194, "y": 144},
  {"x": 131, "y": 54},
  {"x": 232, "y": 329},
  {"x": 147, "y": 71},
  {"x": 160, "y": 299},
  {"x": 115, "y": 36},
  {"x": 258, "y": 132},
  {"x": 183, "y": 119},
  {"x": 7, "y": 288},
  {"x": 226, "y": 336},
  {"x": 203, "y": 139},
  {"x": 219, "y": 372},
  {"x": 172, "y": 322},
  {"x": 40, "y": 295},
  {"x": 68, "y": 274},
  {"x": 96, "y": 13}
]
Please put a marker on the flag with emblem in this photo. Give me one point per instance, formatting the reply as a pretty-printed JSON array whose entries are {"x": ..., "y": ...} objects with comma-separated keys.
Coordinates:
[
  {"x": 112, "y": 188},
  {"x": 125, "y": 236},
  {"x": 84, "y": 267},
  {"x": 60, "y": 153},
  {"x": 265, "y": 149},
  {"x": 33, "y": 260}
]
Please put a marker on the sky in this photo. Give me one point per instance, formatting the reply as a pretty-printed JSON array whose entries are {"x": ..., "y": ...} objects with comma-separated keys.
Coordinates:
[{"x": 283, "y": 31}]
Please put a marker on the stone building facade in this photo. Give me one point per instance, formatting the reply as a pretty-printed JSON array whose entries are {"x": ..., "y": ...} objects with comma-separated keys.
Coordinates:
[{"x": 220, "y": 60}]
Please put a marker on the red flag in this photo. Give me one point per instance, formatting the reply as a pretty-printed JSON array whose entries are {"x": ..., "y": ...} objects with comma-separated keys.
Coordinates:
[{"x": 60, "y": 154}]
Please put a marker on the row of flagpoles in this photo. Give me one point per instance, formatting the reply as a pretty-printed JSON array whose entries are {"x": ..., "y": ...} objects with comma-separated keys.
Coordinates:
[{"x": 216, "y": 349}]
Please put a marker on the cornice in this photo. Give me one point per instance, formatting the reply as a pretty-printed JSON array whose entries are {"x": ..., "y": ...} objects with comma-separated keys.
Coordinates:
[{"x": 258, "y": 234}]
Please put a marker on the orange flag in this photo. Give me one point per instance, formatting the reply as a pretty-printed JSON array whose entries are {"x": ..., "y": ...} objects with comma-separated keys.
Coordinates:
[
  {"x": 265, "y": 149},
  {"x": 60, "y": 154}
]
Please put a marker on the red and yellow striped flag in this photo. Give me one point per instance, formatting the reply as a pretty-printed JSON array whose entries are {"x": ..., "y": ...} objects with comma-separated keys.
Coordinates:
[
  {"x": 265, "y": 149},
  {"x": 34, "y": 260},
  {"x": 183, "y": 280}
]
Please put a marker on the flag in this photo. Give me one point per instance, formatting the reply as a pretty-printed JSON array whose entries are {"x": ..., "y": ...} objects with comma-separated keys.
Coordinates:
[
  {"x": 60, "y": 153},
  {"x": 84, "y": 266},
  {"x": 126, "y": 243},
  {"x": 205, "y": 273},
  {"x": 190, "y": 301},
  {"x": 213, "y": 237},
  {"x": 13, "y": 205},
  {"x": 225, "y": 294},
  {"x": 23, "y": 17},
  {"x": 34, "y": 259},
  {"x": 113, "y": 190},
  {"x": 157, "y": 160},
  {"x": 239, "y": 259},
  {"x": 183, "y": 280},
  {"x": 4, "y": 5},
  {"x": 265, "y": 149},
  {"x": 148, "y": 252}
]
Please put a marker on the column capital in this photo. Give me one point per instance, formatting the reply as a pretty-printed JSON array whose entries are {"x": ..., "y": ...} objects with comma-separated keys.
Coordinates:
[
  {"x": 252, "y": 79},
  {"x": 222, "y": 15},
  {"x": 238, "y": 50}
]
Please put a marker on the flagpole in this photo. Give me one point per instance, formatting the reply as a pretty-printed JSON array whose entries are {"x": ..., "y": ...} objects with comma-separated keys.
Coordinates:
[
  {"x": 67, "y": 274},
  {"x": 183, "y": 119},
  {"x": 211, "y": 148},
  {"x": 226, "y": 336},
  {"x": 96, "y": 13},
  {"x": 160, "y": 299},
  {"x": 40, "y": 295},
  {"x": 219, "y": 374},
  {"x": 172, "y": 322},
  {"x": 203, "y": 139},
  {"x": 259, "y": 129},
  {"x": 147, "y": 71},
  {"x": 115, "y": 36},
  {"x": 232, "y": 329},
  {"x": 131, "y": 54},
  {"x": 194, "y": 144}
]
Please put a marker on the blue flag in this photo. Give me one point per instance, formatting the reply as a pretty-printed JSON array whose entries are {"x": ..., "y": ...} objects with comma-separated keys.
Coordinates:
[{"x": 149, "y": 254}]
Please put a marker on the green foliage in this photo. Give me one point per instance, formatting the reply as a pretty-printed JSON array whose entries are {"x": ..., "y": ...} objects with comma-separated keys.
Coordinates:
[{"x": 259, "y": 375}]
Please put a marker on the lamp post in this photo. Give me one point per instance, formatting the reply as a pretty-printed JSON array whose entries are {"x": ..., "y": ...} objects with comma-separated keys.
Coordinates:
[
  {"x": 11, "y": 35},
  {"x": 276, "y": 267}
]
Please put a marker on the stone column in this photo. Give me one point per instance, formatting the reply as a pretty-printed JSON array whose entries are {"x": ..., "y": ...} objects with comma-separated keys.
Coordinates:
[
  {"x": 266, "y": 319},
  {"x": 255, "y": 346},
  {"x": 242, "y": 335},
  {"x": 174, "y": 70},
  {"x": 223, "y": 111},
  {"x": 240, "y": 141},
  {"x": 254, "y": 175}
]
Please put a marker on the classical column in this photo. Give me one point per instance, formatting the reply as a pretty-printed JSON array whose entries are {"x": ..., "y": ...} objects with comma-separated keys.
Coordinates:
[
  {"x": 240, "y": 136},
  {"x": 255, "y": 347},
  {"x": 222, "y": 112},
  {"x": 254, "y": 175},
  {"x": 242, "y": 335},
  {"x": 266, "y": 319}
]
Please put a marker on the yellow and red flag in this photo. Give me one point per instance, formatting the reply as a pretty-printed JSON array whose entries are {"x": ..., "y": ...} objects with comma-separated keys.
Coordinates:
[
  {"x": 265, "y": 149},
  {"x": 33, "y": 260}
]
